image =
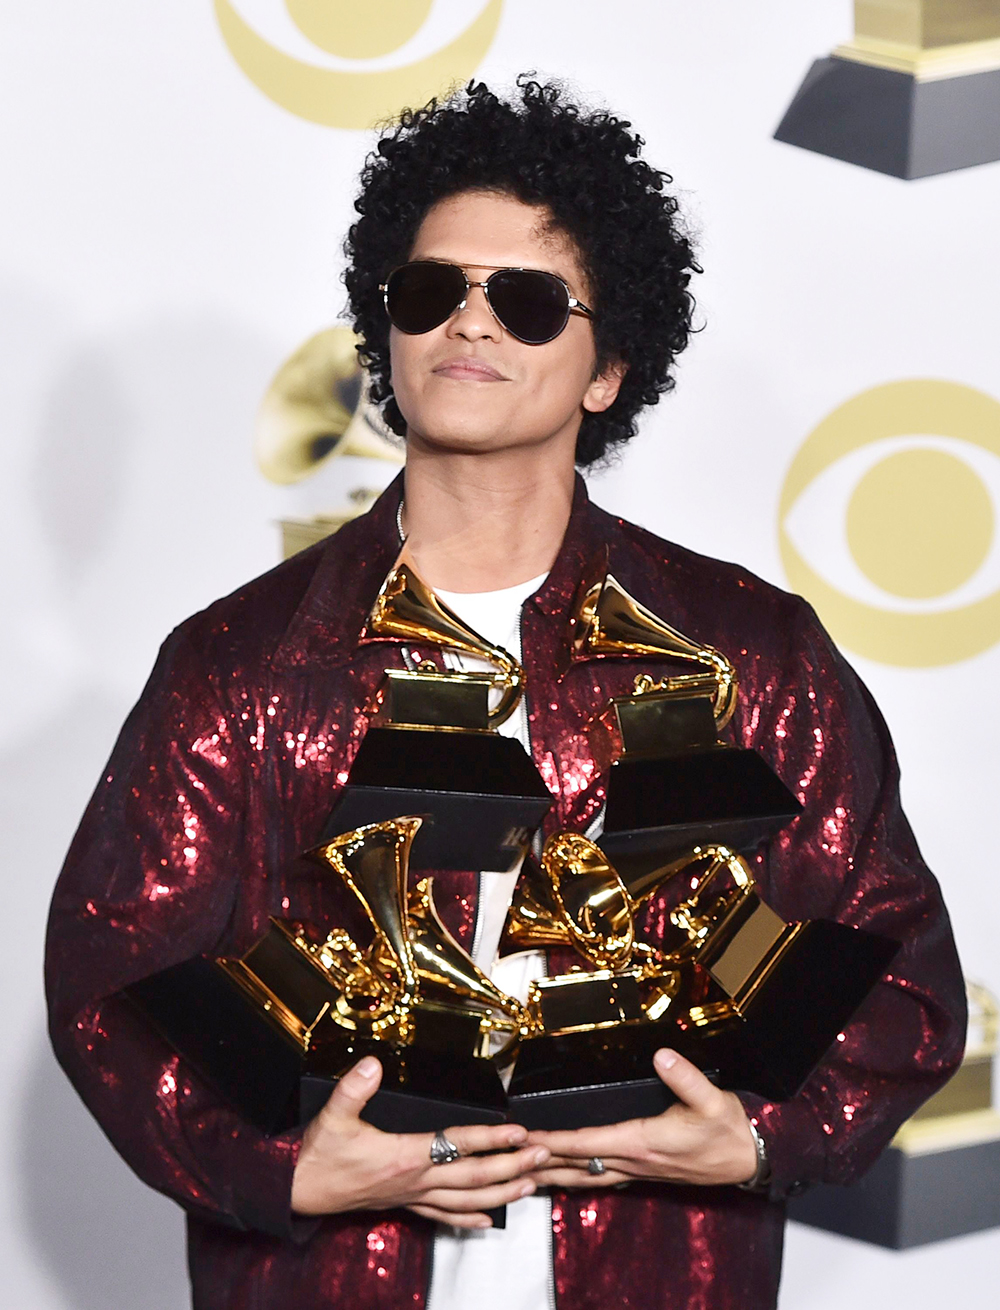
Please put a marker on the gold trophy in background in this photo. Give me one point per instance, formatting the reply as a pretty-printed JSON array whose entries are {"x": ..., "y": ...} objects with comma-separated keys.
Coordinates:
[
  {"x": 316, "y": 409},
  {"x": 432, "y": 747},
  {"x": 916, "y": 92}
]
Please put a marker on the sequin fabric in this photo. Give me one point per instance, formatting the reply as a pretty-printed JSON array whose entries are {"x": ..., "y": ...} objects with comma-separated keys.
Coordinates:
[{"x": 225, "y": 772}]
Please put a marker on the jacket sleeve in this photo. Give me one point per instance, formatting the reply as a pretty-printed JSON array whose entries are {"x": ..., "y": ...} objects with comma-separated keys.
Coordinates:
[
  {"x": 150, "y": 880},
  {"x": 851, "y": 856}
]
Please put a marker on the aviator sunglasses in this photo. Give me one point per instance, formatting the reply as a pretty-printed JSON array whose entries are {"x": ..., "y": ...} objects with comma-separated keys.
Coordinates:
[{"x": 533, "y": 306}]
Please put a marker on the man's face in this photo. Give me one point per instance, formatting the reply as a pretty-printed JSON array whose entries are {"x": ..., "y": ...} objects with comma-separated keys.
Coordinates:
[{"x": 468, "y": 385}]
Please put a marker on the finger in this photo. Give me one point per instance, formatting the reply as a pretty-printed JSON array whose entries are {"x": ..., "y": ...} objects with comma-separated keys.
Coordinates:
[
  {"x": 629, "y": 1167},
  {"x": 583, "y": 1143},
  {"x": 468, "y": 1201},
  {"x": 486, "y": 1170},
  {"x": 454, "y": 1220},
  {"x": 688, "y": 1083},
  {"x": 354, "y": 1090},
  {"x": 580, "y": 1178},
  {"x": 476, "y": 1139}
]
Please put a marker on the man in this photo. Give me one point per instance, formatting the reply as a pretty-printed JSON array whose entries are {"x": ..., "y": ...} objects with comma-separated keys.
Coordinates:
[{"x": 228, "y": 767}]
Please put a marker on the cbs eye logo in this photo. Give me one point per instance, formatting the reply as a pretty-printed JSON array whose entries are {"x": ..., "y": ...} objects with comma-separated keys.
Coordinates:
[
  {"x": 887, "y": 523},
  {"x": 354, "y": 63}
]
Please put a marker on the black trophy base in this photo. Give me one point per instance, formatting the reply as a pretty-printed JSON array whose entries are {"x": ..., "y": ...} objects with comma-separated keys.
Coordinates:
[
  {"x": 422, "y": 1090},
  {"x": 481, "y": 791},
  {"x": 605, "y": 1075},
  {"x": 890, "y": 122},
  {"x": 809, "y": 996},
  {"x": 587, "y": 1079},
  {"x": 232, "y": 1045},
  {"x": 659, "y": 808},
  {"x": 268, "y": 1079},
  {"x": 912, "y": 1198}
]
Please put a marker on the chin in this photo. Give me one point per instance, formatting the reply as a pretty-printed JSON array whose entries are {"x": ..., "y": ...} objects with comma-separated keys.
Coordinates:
[
  {"x": 458, "y": 438},
  {"x": 460, "y": 428}
]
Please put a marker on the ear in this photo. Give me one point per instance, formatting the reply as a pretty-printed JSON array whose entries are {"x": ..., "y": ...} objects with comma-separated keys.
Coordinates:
[{"x": 603, "y": 390}]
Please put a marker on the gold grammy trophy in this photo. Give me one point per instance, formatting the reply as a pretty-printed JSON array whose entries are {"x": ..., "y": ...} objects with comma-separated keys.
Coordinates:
[
  {"x": 316, "y": 409},
  {"x": 432, "y": 747},
  {"x": 274, "y": 1029},
  {"x": 589, "y": 1033},
  {"x": 414, "y": 997},
  {"x": 406, "y": 610},
  {"x": 753, "y": 1001},
  {"x": 916, "y": 92},
  {"x": 673, "y": 784}
]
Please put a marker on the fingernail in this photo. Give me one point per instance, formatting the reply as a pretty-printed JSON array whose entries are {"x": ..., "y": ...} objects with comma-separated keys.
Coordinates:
[
  {"x": 484, "y": 1223},
  {"x": 516, "y": 1134},
  {"x": 665, "y": 1059},
  {"x": 368, "y": 1067},
  {"x": 541, "y": 1155},
  {"x": 527, "y": 1189}
]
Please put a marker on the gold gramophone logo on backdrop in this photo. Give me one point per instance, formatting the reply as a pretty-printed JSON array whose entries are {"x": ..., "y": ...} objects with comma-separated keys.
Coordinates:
[
  {"x": 887, "y": 523},
  {"x": 323, "y": 59},
  {"x": 316, "y": 409}
]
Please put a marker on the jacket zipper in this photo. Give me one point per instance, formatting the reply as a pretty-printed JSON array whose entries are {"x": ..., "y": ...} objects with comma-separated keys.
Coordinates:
[{"x": 477, "y": 918}]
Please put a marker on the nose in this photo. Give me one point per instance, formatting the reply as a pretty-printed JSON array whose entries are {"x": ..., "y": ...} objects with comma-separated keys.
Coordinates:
[{"x": 474, "y": 321}]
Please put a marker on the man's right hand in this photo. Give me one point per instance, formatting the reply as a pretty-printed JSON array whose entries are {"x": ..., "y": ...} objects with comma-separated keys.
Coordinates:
[{"x": 346, "y": 1164}]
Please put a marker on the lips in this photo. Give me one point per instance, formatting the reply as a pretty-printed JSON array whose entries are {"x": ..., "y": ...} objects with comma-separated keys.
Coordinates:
[{"x": 466, "y": 369}]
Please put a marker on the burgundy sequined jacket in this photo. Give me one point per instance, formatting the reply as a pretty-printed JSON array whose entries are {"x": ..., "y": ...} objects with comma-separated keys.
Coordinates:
[{"x": 226, "y": 771}]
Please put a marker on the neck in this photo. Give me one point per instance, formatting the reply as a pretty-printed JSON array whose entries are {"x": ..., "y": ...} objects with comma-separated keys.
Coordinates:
[{"x": 481, "y": 522}]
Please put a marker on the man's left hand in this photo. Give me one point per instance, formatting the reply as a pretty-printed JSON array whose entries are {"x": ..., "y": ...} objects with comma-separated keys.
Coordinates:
[{"x": 704, "y": 1138}]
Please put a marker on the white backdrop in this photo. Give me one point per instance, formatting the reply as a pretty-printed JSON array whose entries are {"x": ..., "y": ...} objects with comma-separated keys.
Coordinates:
[{"x": 171, "y": 235}]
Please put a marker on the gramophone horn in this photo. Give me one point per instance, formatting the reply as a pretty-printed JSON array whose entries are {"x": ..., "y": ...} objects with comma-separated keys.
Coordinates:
[
  {"x": 609, "y": 621},
  {"x": 534, "y": 920},
  {"x": 446, "y": 966},
  {"x": 592, "y": 899},
  {"x": 316, "y": 408},
  {"x": 407, "y": 610},
  {"x": 373, "y": 861}
]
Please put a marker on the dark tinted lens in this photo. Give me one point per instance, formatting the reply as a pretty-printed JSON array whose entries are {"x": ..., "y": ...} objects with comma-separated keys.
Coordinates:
[
  {"x": 419, "y": 297},
  {"x": 531, "y": 306}
]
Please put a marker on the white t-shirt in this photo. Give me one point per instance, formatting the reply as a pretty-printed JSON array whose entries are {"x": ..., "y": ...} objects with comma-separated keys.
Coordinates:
[{"x": 508, "y": 1268}]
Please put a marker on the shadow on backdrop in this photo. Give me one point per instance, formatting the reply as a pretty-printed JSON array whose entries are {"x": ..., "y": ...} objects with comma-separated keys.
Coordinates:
[
  {"x": 79, "y": 473},
  {"x": 168, "y": 395},
  {"x": 110, "y": 1242}
]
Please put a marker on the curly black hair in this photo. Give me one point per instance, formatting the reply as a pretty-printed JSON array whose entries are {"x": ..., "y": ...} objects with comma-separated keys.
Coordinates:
[{"x": 585, "y": 168}]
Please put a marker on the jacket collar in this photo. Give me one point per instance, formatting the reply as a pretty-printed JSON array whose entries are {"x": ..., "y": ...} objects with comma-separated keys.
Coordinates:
[
  {"x": 326, "y": 628},
  {"x": 352, "y": 566}
]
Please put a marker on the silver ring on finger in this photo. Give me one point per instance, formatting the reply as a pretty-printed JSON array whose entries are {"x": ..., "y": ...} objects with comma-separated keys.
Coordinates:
[
  {"x": 596, "y": 1166},
  {"x": 443, "y": 1151}
]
